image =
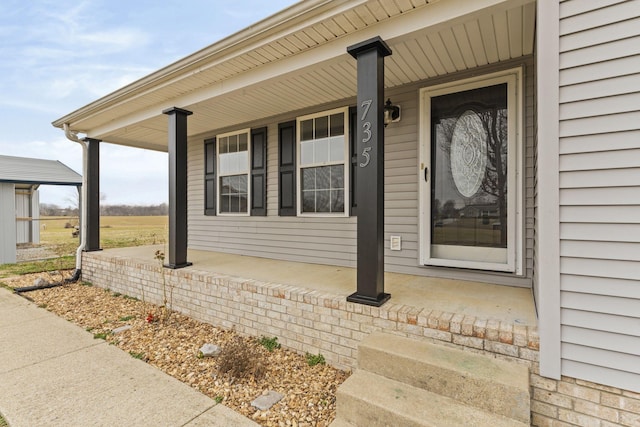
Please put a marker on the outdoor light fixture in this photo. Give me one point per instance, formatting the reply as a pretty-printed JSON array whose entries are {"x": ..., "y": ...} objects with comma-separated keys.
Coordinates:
[{"x": 391, "y": 113}]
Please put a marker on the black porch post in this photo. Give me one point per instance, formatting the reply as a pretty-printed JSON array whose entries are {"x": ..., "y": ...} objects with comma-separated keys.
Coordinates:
[
  {"x": 177, "y": 246},
  {"x": 93, "y": 195},
  {"x": 370, "y": 192}
]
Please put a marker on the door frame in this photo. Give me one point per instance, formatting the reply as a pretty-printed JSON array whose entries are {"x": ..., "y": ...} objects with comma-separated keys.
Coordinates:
[{"x": 515, "y": 159}]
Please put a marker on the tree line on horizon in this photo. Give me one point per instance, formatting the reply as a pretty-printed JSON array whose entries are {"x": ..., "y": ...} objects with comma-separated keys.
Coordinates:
[{"x": 51, "y": 209}]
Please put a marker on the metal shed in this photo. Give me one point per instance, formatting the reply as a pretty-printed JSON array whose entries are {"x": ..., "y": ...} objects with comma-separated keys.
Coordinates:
[{"x": 20, "y": 179}]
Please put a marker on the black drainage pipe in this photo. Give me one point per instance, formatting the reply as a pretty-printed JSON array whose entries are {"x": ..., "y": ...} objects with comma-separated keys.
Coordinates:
[{"x": 72, "y": 279}]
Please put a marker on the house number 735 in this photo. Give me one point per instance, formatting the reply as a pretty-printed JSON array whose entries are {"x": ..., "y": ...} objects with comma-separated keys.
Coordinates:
[{"x": 366, "y": 130}]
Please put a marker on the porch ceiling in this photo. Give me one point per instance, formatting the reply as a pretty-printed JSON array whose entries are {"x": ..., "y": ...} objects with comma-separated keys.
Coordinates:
[{"x": 306, "y": 64}]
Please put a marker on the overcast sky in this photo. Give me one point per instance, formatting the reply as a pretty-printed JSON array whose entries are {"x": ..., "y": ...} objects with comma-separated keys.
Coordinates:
[{"x": 59, "y": 55}]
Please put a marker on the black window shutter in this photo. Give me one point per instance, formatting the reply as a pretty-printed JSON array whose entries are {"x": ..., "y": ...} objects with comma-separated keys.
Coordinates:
[
  {"x": 210, "y": 176},
  {"x": 353, "y": 155},
  {"x": 287, "y": 169},
  {"x": 259, "y": 172}
]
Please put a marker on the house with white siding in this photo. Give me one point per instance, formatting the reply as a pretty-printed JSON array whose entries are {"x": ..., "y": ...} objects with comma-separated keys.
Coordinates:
[{"x": 437, "y": 156}]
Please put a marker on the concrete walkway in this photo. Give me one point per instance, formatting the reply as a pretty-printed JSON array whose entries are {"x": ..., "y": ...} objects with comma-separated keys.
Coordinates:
[{"x": 53, "y": 373}]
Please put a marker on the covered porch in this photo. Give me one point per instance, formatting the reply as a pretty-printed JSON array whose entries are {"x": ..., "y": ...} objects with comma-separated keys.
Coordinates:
[
  {"x": 312, "y": 61},
  {"x": 298, "y": 62},
  {"x": 305, "y": 305}
]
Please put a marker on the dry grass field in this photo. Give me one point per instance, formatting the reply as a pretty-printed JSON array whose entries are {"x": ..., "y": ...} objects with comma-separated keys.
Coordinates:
[
  {"x": 57, "y": 247},
  {"x": 115, "y": 232}
]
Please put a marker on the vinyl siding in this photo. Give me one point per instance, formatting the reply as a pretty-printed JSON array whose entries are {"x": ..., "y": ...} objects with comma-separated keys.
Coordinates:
[
  {"x": 333, "y": 240},
  {"x": 535, "y": 249},
  {"x": 324, "y": 240},
  {"x": 599, "y": 163},
  {"x": 7, "y": 223}
]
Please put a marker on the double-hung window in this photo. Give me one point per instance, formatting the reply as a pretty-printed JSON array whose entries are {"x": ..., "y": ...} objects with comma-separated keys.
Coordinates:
[
  {"x": 235, "y": 173},
  {"x": 233, "y": 151},
  {"x": 322, "y": 167}
]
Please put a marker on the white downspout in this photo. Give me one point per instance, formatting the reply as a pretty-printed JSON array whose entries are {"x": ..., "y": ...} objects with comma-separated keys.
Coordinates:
[{"x": 73, "y": 136}]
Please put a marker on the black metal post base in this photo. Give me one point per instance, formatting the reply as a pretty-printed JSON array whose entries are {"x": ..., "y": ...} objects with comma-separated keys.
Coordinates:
[
  {"x": 92, "y": 250},
  {"x": 177, "y": 266},
  {"x": 367, "y": 300}
]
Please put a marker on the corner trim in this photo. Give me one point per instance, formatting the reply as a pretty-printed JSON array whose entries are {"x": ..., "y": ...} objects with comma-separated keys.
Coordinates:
[{"x": 548, "y": 218}]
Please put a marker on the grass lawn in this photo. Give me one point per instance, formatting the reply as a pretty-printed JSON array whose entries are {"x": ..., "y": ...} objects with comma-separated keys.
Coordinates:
[{"x": 115, "y": 232}]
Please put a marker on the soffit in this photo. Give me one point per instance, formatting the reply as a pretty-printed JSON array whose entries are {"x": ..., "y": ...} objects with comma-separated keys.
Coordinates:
[{"x": 258, "y": 83}]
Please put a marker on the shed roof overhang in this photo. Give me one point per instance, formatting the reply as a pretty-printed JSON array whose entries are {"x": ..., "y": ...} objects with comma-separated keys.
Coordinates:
[
  {"x": 29, "y": 171},
  {"x": 298, "y": 58}
]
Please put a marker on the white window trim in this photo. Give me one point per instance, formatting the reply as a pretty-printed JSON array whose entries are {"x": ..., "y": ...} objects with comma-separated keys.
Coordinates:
[
  {"x": 220, "y": 175},
  {"x": 346, "y": 163},
  {"x": 515, "y": 159}
]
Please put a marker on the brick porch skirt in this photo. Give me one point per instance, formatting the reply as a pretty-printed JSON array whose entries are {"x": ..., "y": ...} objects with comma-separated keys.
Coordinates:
[{"x": 310, "y": 321}]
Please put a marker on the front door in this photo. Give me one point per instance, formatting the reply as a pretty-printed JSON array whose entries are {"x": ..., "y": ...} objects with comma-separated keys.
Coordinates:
[{"x": 469, "y": 174}]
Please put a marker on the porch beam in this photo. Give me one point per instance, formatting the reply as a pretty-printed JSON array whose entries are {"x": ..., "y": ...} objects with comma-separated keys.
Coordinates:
[
  {"x": 177, "y": 130},
  {"x": 370, "y": 191},
  {"x": 92, "y": 195}
]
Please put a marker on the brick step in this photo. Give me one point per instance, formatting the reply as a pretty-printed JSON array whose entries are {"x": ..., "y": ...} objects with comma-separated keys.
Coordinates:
[
  {"x": 476, "y": 380},
  {"x": 367, "y": 399}
]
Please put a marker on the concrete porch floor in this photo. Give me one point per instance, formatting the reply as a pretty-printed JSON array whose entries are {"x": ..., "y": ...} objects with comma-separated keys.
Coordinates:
[{"x": 485, "y": 301}]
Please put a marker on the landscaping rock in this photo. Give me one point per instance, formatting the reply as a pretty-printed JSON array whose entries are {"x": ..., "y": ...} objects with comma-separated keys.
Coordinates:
[
  {"x": 40, "y": 281},
  {"x": 210, "y": 350},
  {"x": 172, "y": 345},
  {"x": 266, "y": 400},
  {"x": 121, "y": 329}
]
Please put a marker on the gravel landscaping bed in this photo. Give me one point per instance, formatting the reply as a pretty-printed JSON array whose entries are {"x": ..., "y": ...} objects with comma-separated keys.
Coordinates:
[
  {"x": 26, "y": 252},
  {"x": 171, "y": 342}
]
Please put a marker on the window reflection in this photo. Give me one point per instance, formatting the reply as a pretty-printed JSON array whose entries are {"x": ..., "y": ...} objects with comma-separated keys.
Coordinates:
[{"x": 469, "y": 168}]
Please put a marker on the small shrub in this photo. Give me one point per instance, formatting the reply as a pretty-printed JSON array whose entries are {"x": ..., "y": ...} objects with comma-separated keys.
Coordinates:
[
  {"x": 218, "y": 399},
  {"x": 135, "y": 355},
  {"x": 100, "y": 335},
  {"x": 315, "y": 359},
  {"x": 269, "y": 343},
  {"x": 238, "y": 360},
  {"x": 167, "y": 305}
]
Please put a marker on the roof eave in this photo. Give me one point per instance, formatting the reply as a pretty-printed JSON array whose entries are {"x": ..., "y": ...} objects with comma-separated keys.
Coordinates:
[{"x": 243, "y": 39}]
